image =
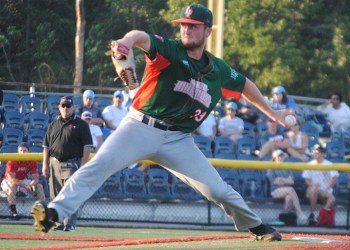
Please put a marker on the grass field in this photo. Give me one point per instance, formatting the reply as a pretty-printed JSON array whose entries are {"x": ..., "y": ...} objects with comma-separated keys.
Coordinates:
[{"x": 24, "y": 237}]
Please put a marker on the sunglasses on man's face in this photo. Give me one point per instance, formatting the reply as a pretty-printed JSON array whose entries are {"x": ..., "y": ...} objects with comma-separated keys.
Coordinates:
[{"x": 66, "y": 106}]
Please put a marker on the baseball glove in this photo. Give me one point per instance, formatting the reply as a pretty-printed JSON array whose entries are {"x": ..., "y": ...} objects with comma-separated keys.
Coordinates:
[{"x": 124, "y": 64}]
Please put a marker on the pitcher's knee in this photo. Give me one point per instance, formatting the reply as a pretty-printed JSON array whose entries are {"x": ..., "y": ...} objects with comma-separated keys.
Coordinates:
[{"x": 222, "y": 194}]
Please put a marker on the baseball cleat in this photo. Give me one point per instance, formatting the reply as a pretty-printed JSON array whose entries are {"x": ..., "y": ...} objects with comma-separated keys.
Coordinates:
[
  {"x": 266, "y": 233},
  {"x": 41, "y": 215}
]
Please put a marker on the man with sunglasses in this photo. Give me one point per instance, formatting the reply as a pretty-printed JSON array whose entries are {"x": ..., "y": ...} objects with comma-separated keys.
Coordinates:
[{"x": 67, "y": 146}]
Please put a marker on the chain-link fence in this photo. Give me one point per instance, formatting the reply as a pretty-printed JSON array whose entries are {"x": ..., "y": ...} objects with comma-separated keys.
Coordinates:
[{"x": 112, "y": 203}]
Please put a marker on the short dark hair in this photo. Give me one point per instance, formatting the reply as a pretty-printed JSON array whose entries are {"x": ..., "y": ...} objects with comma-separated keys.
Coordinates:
[
  {"x": 23, "y": 145},
  {"x": 340, "y": 96}
]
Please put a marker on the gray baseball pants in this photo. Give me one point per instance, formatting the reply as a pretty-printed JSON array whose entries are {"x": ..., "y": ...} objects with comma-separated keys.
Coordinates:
[{"x": 176, "y": 151}]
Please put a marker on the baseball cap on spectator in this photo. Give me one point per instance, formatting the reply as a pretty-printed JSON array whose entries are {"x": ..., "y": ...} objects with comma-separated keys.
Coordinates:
[
  {"x": 118, "y": 93},
  {"x": 278, "y": 90},
  {"x": 317, "y": 148},
  {"x": 231, "y": 105},
  {"x": 66, "y": 100},
  {"x": 89, "y": 94},
  {"x": 195, "y": 14},
  {"x": 86, "y": 115},
  {"x": 277, "y": 153}
]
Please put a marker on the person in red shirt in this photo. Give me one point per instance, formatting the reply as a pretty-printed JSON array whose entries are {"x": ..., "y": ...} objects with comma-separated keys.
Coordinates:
[{"x": 16, "y": 179}]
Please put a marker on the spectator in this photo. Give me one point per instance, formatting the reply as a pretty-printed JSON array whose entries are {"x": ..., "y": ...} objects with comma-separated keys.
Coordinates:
[
  {"x": 298, "y": 143},
  {"x": 320, "y": 183},
  {"x": 248, "y": 112},
  {"x": 96, "y": 132},
  {"x": 272, "y": 139},
  {"x": 67, "y": 146},
  {"x": 337, "y": 111},
  {"x": 282, "y": 182},
  {"x": 88, "y": 100},
  {"x": 230, "y": 125},
  {"x": 281, "y": 100},
  {"x": 113, "y": 114},
  {"x": 16, "y": 180},
  {"x": 208, "y": 127}
]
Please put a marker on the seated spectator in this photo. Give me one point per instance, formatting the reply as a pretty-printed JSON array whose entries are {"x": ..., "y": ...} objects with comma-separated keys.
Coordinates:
[
  {"x": 281, "y": 100},
  {"x": 282, "y": 182},
  {"x": 88, "y": 100},
  {"x": 337, "y": 112},
  {"x": 16, "y": 180},
  {"x": 230, "y": 125},
  {"x": 96, "y": 132},
  {"x": 113, "y": 114},
  {"x": 320, "y": 183},
  {"x": 248, "y": 112},
  {"x": 272, "y": 139},
  {"x": 208, "y": 128},
  {"x": 298, "y": 143}
]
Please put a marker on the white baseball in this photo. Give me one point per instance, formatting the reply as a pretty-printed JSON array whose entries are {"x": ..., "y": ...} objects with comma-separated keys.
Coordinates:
[{"x": 290, "y": 120}]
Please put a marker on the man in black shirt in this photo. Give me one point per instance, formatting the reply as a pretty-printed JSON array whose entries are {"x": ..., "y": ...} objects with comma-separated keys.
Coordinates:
[{"x": 67, "y": 146}]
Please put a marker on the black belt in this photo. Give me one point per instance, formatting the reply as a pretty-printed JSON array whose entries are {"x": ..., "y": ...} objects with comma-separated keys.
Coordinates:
[
  {"x": 67, "y": 160},
  {"x": 158, "y": 125}
]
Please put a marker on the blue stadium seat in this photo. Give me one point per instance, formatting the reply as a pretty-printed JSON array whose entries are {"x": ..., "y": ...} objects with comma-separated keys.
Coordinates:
[
  {"x": 9, "y": 149},
  {"x": 12, "y": 136},
  {"x": 134, "y": 184},
  {"x": 337, "y": 134},
  {"x": 182, "y": 191},
  {"x": 346, "y": 138},
  {"x": 52, "y": 103},
  {"x": 38, "y": 120},
  {"x": 10, "y": 102},
  {"x": 14, "y": 119},
  {"x": 292, "y": 159},
  {"x": 29, "y": 104},
  {"x": 243, "y": 157},
  {"x": 300, "y": 185},
  {"x": 245, "y": 146},
  {"x": 35, "y": 149},
  {"x": 158, "y": 184},
  {"x": 36, "y": 137},
  {"x": 261, "y": 128},
  {"x": 312, "y": 133},
  {"x": 204, "y": 144},
  {"x": 223, "y": 144},
  {"x": 341, "y": 190},
  {"x": 335, "y": 151},
  {"x": 231, "y": 177},
  {"x": 253, "y": 185},
  {"x": 248, "y": 130},
  {"x": 112, "y": 187},
  {"x": 78, "y": 101},
  {"x": 226, "y": 155}
]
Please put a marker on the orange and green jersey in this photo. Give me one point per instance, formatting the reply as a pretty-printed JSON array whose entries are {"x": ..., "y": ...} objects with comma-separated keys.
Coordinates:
[{"x": 174, "y": 91}]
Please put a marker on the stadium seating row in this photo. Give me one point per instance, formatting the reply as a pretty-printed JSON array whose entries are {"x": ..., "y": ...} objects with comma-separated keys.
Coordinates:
[
  {"x": 26, "y": 103},
  {"x": 159, "y": 184}
]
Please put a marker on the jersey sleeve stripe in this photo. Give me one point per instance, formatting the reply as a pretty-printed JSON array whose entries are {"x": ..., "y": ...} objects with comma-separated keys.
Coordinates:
[
  {"x": 226, "y": 93},
  {"x": 148, "y": 87}
]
